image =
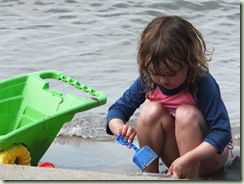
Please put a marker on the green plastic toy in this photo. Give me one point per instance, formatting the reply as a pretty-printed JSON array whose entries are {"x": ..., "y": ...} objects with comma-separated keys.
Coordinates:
[{"x": 32, "y": 114}]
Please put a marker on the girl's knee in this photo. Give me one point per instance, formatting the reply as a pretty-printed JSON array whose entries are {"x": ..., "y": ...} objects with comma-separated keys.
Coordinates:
[
  {"x": 151, "y": 112},
  {"x": 187, "y": 114},
  {"x": 154, "y": 114}
]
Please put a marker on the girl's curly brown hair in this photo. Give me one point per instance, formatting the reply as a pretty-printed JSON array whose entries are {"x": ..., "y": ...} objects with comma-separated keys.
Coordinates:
[{"x": 170, "y": 41}]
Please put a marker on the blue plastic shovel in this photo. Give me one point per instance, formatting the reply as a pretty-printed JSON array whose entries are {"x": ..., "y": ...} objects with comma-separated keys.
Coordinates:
[{"x": 143, "y": 157}]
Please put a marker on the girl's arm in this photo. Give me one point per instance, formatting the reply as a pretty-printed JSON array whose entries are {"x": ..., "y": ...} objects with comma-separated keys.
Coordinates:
[
  {"x": 215, "y": 113},
  {"x": 121, "y": 111},
  {"x": 115, "y": 124}
]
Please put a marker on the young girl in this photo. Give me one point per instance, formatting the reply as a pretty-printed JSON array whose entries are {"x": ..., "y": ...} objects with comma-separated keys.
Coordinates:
[{"x": 185, "y": 121}]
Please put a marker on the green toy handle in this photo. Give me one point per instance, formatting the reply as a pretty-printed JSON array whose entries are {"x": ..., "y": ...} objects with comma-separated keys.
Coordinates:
[{"x": 99, "y": 96}]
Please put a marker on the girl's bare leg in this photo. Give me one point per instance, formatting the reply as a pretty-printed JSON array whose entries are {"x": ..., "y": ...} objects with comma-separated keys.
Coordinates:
[
  {"x": 190, "y": 131},
  {"x": 190, "y": 128},
  {"x": 155, "y": 128}
]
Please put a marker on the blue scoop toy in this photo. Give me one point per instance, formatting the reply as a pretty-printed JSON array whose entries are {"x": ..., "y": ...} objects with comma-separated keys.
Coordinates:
[{"x": 143, "y": 157}]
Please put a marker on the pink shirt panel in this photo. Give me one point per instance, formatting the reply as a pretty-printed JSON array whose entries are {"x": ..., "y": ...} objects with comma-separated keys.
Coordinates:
[{"x": 171, "y": 102}]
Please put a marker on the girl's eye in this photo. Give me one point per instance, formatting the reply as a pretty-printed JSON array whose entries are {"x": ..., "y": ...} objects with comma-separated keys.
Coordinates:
[
  {"x": 171, "y": 75},
  {"x": 166, "y": 74},
  {"x": 153, "y": 74},
  {"x": 163, "y": 75}
]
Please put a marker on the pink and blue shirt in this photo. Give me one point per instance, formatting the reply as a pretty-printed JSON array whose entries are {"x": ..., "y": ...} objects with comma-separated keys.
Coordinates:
[{"x": 208, "y": 101}]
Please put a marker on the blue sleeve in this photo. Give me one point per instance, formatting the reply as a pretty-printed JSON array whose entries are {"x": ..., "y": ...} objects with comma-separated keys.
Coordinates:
[
  {"x": 126, "y": 105},
  {"x": 215, "y": 113}
]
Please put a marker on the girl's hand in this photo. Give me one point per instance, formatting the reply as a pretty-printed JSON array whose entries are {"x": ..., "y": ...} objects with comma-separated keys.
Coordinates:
[
  {"x": 128, "y": 132},
  {"x": 183, "y": 168},
  {"x": 117, "y": 126}
]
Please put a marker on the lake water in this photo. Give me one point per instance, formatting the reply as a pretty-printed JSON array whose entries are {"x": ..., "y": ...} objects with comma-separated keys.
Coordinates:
[{"x": 96, "y": 41}]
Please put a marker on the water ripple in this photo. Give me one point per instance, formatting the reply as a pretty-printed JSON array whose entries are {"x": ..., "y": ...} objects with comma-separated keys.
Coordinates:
[{"x": 96, "y": 41}]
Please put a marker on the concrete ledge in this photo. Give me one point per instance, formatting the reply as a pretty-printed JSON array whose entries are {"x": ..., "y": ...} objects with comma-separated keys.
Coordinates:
[{"x": 17, "y": 172}]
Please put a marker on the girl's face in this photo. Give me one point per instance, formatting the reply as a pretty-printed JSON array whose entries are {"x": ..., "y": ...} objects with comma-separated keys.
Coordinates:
[{"x": 169, "y": 81}]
